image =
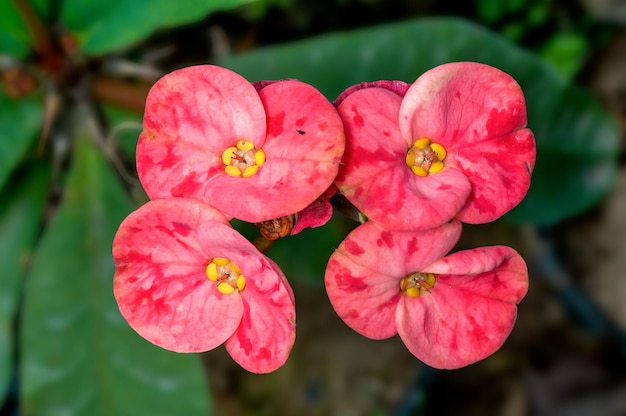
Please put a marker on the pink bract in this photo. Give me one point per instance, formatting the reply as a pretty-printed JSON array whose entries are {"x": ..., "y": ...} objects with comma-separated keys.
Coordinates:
[
  {"x": 194, "y": 114},
  {"x": 476, "y": 112},
  {"x": 466, "y": 316},
  {"x": 317, "y": 213},
  {"x": 161, "y": 252}
]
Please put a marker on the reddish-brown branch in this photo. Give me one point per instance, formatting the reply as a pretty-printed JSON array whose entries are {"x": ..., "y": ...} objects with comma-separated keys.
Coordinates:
[
  {"x": 43, "y": 42},
  {"x": 125, "y": 94}
]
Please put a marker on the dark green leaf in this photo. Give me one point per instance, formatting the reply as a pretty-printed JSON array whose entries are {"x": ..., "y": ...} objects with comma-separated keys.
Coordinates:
[
  {"x": 20, "y": 123},
  {"x": 577, "y": 141},
  {"x": 20, "y": 221},
  {"x": 103, "y": 26},
  {"x": 79, "y": 355}
]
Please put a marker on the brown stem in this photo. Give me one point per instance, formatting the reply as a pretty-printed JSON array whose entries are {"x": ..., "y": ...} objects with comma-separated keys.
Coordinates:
[
  {"x": 125, "y": 94},
  {"x": 263, "y": 244},
  {"x": 43, "y": 42}
]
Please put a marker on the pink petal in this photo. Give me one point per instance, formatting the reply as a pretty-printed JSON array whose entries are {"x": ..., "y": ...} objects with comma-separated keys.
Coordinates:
[
  {"x": 264, "y": 338},
  {"x": 500, "y": 178},
  {"x": 363, "y": 275},
  {"x": 303, "y": 147},
  {"x": 374, "y": 175},
  {"x": 160, "y": 282},
  {"x": 397, "y": 87},
  {"x": 192, "y": 115},
  {"x": 317, "y": 213},
  {"x": 470, "y": 312},
  {"x": 478, "y": 113}
]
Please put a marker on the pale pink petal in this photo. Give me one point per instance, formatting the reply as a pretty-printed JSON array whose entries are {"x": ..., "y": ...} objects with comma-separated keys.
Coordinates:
[
  {"x": 160, "y": 282},
  {"x": 478, "y": 113},
  {"x": 468, "y": 315},
  {"x": 303, "y": 148},
  {"x": 192, "y": 115},
  {"x": 374, "y": 175},
  {"x": 363, "y": 275}
]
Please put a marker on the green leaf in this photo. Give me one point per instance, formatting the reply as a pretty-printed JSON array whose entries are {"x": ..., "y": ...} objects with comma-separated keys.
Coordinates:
[
  {"x": 79, "y": 355},
  {"x": 14, "y": 36},
  {"x": 20, "y": 221},
  {"x": 577, "y": 141},
  {"x": 566, "y": 51},
  {"x": 318, "y": 244},
  {"x": 16, "y": 39},
  {"x": 20, "y": 123},
  {"x": 103, "y": 26}
]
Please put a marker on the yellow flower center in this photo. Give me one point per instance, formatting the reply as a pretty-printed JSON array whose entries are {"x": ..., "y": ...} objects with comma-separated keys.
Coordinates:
[
  {"x": 417, "y": 283},
  {"x": 243, "y": 159},
  {"x": 424, "y": 157},
  {"x": 226, "y": 275}
]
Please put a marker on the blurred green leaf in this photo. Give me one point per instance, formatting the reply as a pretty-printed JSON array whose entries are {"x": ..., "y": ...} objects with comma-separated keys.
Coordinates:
[
  {"x": 577, "y": 141},
  {"x": 491, "y": 11},
  {"x": 20, "y": 221},
  {"x": 15, "y": 39},
  {"x": 125, "y": 129},
  {"x": 318, "y": 244},
  {"x": 79, "y": 356},
  {"x": 566, "y": 51},
  {"x": 103, "y": 26},
  {"x": 20, "y": 123}
]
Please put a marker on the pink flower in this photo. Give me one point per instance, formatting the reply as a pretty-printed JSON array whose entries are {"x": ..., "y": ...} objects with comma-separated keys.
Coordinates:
[
  {"x": 209, "y": 135},
  {"x": 186, "y": 281},
  {"x": 454, "y": 146},
  {"x": 449, "y": 312}
]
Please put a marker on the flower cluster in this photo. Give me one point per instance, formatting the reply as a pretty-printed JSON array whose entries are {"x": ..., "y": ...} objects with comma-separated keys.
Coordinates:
[
  {"x": 420, "y": 159},
  {"x": 415, "y": 160}
]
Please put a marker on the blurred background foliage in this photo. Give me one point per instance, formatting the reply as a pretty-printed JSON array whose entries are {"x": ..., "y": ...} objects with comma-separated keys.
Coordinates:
[{"x": 75, "y": 74}]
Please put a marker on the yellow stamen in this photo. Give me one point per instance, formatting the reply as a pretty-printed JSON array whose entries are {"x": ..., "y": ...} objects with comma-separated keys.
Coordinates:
[
  {"x": 245, "y": 145},
  {"x": 413, "y": 291},
  {"x": 234, "y": 267},
  {"x": 241, "y": 282},
  {"x": 436, "y": 167},
  {"x": 424, "y": 157},
  {"x": 259, "y": 157},
  {"x": 410, "y": 158},
  {"x": 226, "y": 274},
  {"x": 419, "y": 171},
  {"x": 439, "y": 150},
  {"x": 249, "y": 171},
  {"x": 232, "y": 170},
  {"x": 228, "y": 155},
  {"x": 211, "y": 271},
  {"x": 415, "y": 284},
  {"x": 225, "y": 288},
  {"x": 421, "y": 143},
  {"x": 220, "y": 261},
  {"x": 243, "y": 159}
]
